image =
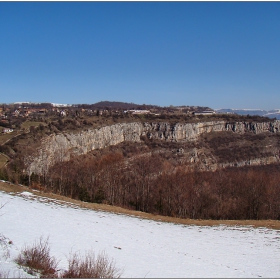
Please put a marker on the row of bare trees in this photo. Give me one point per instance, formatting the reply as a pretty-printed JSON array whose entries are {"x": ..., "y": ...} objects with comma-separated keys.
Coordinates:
[{"x": 152, "y": 184}]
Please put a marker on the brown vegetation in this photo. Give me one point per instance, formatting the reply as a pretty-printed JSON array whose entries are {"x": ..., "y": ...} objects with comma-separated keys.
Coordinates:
[
  {"x": 149, "y": 183},
  {"x": 232, "y": 147},
  {"x": 91, "y": 266},
  {"x": 153, "y": 176},
  {"x": 13, "y": 188},
  {"x": 37, "y": 261}
]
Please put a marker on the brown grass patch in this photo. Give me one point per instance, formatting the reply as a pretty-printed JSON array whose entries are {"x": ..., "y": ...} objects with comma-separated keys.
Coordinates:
[
  {"x": 3, "y": 160},
  {"x": 273, "y": 224},
  {"x": 27, "y": 124},
  {"x": 7, "y": 136}
]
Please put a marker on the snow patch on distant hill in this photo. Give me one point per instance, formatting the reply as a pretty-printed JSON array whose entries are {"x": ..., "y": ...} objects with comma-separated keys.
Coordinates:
[
  {"x": 275, "y": 113},
  {"x": 60, "y": 105}
]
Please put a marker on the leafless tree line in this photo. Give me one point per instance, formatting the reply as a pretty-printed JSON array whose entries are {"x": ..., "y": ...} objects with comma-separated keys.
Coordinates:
[{"x": 152, "y": 184}]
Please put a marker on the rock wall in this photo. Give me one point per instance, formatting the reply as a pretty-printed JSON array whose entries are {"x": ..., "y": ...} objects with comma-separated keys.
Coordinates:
[{"x": 59, "y": 147}]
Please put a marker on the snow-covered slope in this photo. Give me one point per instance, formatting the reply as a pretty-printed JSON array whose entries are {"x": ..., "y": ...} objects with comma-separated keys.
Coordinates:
[{"x": 143, "y": 248}]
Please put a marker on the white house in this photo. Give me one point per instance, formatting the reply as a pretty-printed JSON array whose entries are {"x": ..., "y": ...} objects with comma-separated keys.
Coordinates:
[{"x": 7, "y": 130}]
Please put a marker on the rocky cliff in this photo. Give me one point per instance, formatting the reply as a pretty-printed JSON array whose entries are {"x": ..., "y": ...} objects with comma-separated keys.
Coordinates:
[{"x": 59, "y": 147}]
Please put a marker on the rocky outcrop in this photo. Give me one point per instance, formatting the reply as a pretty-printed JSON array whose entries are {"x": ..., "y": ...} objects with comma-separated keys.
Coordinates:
[
  {"x": 251, "y": 162},
  {"x": 59, "y": 147}
]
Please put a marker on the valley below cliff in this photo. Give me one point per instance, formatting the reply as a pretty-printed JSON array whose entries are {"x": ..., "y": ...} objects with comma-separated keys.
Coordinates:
[{"x": 214, "y": 167}]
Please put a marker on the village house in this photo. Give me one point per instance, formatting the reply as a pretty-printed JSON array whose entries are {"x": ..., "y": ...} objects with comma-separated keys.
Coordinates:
[
  {"x": 43, "y": 111},
  {"x": 138, "y": 112},
  {"x": 16, "y": 113},
  {"x": 204, "y": 113},
  {"x": 63, "y": 113},
  {"x": 7, "y": 130}
]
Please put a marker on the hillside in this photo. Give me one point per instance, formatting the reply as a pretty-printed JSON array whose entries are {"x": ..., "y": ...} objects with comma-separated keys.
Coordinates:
[
  {"x": 174, "y": 164},
  {"x": 142, "y": 248}
]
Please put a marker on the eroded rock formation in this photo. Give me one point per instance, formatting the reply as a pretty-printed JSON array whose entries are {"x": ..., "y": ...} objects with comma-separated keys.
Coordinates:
[{"x": 59, "y": 147}]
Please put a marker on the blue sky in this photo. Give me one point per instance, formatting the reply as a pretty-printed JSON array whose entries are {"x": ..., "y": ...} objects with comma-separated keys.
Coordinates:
[{"x": 216, "y": 54}]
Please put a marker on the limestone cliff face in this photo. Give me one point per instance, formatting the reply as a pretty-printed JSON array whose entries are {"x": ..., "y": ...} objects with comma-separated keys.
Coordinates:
[
  {"x": 59, "y": 147},
  {"x": 241, "y": 127},
  {"x": 251, "y": 162}
]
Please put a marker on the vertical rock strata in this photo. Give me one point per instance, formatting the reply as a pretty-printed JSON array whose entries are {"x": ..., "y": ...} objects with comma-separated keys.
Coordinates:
[{"x": 59, "y": 147}]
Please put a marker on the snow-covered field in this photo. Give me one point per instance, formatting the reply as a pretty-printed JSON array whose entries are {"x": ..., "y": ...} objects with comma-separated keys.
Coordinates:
[{"x": 143, "y": 248}]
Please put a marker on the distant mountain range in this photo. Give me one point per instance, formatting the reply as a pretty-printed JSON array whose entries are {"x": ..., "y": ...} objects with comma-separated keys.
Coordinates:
[{"x": 270, "y": 114}]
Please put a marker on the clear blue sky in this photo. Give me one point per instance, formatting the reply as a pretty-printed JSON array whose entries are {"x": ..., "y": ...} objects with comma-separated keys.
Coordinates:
[{"x": 216, "y": 54}]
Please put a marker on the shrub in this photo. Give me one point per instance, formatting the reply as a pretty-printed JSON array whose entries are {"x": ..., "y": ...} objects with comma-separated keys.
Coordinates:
[
  {"x": 4, "y": 274},
  {"x": 91, "y": 267},
  {"x": 38, "y": 260},
  {"x": 5, "y": 244}
]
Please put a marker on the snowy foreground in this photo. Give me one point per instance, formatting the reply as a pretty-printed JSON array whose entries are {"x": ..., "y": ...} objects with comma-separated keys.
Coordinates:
[{"x": 143, "y": 248}]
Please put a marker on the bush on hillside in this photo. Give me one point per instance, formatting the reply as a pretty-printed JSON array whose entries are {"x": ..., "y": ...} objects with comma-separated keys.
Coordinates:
[
  {"x": 37, "y": 259},
  {"x": 91, "y": 266}
]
